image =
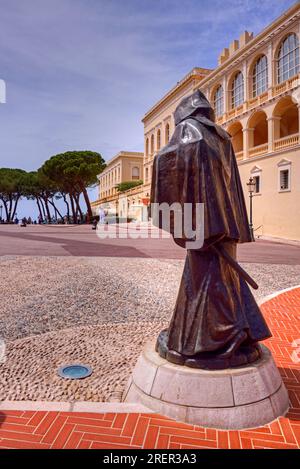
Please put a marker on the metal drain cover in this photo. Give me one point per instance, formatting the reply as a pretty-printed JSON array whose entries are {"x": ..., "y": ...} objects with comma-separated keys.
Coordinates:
[{"x": 75, "y": 371}]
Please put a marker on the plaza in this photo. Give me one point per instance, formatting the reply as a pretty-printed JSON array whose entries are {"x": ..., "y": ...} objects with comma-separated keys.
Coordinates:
[
  {"x": 254, "y": 91},
  {"x": 69, "y": 296},
  {"x": 184, "y": 348}
]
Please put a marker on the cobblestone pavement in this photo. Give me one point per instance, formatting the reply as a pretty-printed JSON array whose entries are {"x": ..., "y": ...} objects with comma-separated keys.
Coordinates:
[
  {"x": 42, "y": 429},
  {"x": 56, "y": 310}
]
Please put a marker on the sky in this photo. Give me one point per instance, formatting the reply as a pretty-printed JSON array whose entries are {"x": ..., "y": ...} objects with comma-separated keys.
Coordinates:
[{"x": 80, "y": 74}]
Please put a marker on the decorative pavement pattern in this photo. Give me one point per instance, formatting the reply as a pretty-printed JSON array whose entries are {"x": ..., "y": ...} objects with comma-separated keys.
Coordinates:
[{"x": 35, "y": 429}]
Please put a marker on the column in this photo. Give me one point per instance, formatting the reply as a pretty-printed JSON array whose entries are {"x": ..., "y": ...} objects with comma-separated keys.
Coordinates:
[
  {"x": 247, "y": 141},
  {"x": 270, "y": 70},
  {"x": 246, "y": 84},
  {"x": 225, "y": 94},
  {"x": 273, "y": 131}
]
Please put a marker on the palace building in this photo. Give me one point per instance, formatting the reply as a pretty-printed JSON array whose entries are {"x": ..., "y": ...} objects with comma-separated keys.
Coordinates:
[
  {"x": 126, "y": 166},
  {"x": 255, "y": 91}
]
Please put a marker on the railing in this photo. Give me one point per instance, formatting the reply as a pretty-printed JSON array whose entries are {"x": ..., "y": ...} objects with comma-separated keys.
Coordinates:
[
  {"x": 263, "y": 97},
  {"x": 220, "y": 119},
  {"x": 285, "y": 86},
  {"x": 234, "y": 112},
  {"x": 258, "y": 150},
  {"x": 230, "y": 114},
  {"x": 289, "y": 141},
  {"x": 253, "y": 102},
  {"x": 239, "y": 155}
]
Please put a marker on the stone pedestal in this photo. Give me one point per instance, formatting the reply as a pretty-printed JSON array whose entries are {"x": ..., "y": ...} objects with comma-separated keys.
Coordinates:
[{"x": 236, "y": 398}]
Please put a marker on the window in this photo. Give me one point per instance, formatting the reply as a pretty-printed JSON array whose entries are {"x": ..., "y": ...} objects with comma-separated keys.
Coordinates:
[
  {"x": 135, "y": 173},
  {"x": 219, "y": 101},
  {"x": 288, "y": 58},
  {"x": 167, "y": 133},
  {"x": 237, "y": 90},
  {"x": 147, "y": 174},
  {"x": 147, "y": 147},
  {"x": 158, "y": 139},
  {"x": 256, "y": 179},
  {"x": 284, "y": 179},
  {"x": 260, "y": 76},
  {"x": 152, "y": 144}
]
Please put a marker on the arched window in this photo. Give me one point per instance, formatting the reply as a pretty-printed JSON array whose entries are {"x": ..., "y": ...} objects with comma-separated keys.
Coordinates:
[
  {"x": 219, "y": 101},
  {"x": 167, "y": 133},
  {"x": 152, "y": 144},
  {"x": 237, "y": 90},
  {"x": 288, "y": 58},
  {"x": 158, "y": 139},
  {"x": 147, "y": 147},
  {"x": 260, "y": 76},
  {"x": 135, "y": 173}
]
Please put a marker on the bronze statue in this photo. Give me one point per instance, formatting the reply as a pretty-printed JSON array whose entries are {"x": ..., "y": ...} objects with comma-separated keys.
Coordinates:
[{"x": 216, "y": 323}]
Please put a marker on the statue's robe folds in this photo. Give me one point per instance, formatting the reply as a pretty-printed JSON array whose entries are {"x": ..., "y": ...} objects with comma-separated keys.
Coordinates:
[{"x": 214, "y": 303}]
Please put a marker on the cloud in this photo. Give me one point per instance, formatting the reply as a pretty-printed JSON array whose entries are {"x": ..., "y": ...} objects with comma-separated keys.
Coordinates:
[{"x": 81, "y": 74}]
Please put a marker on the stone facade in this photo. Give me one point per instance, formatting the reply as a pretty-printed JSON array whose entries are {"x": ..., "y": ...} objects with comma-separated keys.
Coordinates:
[
  {"x": 255, "y": 91},
  {"x": 124, "y": 167}
]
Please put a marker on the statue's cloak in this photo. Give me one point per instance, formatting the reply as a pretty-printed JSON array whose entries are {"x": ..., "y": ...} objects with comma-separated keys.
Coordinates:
[{"x": 198, "y": 165}]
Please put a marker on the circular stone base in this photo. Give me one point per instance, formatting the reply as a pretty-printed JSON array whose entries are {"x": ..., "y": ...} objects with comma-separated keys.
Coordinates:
[{"x": 236, "y": 398}]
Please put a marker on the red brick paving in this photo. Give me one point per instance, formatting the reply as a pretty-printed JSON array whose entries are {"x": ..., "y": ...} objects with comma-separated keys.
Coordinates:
[{"x": 31, "y": 429}]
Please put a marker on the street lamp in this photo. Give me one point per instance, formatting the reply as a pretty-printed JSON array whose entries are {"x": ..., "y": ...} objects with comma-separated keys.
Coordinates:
[{"x": 251, "y": 188}]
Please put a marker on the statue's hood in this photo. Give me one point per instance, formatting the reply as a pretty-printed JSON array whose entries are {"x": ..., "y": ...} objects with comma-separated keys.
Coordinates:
[{"x": 195, "y": 105}]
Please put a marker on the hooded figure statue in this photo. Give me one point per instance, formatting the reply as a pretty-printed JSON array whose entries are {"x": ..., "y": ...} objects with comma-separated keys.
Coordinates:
[{"x": 216, "y": 322}]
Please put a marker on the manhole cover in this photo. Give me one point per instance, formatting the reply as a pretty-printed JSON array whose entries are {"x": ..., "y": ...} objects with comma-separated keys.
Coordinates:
[{"x": 76, "y": 371}]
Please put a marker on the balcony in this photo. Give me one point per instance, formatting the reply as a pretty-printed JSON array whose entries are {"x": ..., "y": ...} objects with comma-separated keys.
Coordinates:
[
  {"x": 286, "y": 142},
  {"x": 251, "y": 103},
  {"x": 258, "y": 150},
  {"x": 285, "y": 86},
  {"x": 239, "y": 155}
]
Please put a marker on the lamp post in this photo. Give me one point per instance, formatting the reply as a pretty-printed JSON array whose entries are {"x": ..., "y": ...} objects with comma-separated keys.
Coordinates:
[{"x": 251, "y": 189}]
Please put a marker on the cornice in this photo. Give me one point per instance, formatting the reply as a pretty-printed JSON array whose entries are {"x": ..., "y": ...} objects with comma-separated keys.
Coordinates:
[
  {"x": 273, "y": 29},
  {"x": 195, "y": 74}
]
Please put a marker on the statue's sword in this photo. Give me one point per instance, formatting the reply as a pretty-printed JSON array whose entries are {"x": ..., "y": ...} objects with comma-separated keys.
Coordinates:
[{"x": 218, "y": 249}]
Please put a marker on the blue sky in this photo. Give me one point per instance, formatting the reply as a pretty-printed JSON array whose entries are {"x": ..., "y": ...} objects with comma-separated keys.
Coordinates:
[{"x": 81, "y": 74}]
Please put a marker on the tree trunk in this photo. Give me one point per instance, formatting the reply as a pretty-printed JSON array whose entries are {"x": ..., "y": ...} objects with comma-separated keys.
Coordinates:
[
  {"x": 39, "y": 207},
  {"x": 73, "y": 207},
  {"x": 43, "y": 208},
  {"x": 5, "y": 208},
  {"x": 78, "y": 208},
  {"x": 88, "y": 204},
  {"x": 15, "y": 207},
  {"x": 68, "y": 208},
  {"x": 56, "y": 209},
  {"x": 47, "y": 209},
  {"x": 9, "y": 209}
]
